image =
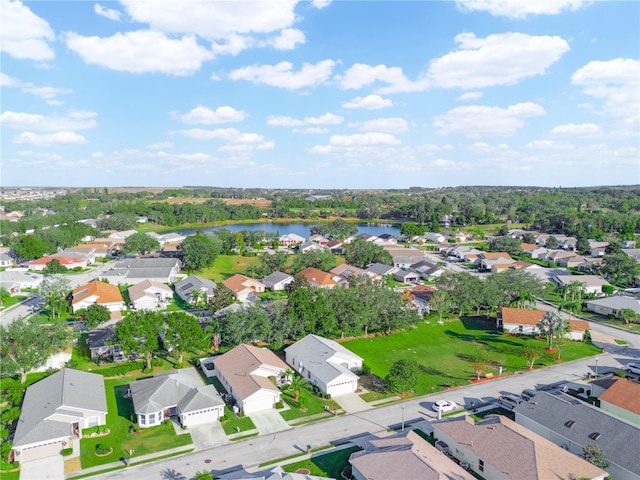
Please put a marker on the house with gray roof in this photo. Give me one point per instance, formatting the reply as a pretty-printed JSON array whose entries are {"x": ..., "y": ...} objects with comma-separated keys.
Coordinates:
[
  {"x": 572, "y": 424},
  {"x": 497, "y": 448},
  {"x": 101, "y": 344},
  {"x": 135, "y": 270},
  {"x": 55, "y": 410},
  {"x": 277, "y": 281},
  {"x": 185, "y": 287},
  {"x": 179, "y": 394},
  {"x": 613, "y": 305},
  {"x": 150, "y": 295},
  {"x": 404, "y": 455},
  {"x": 325, "y": 363},
  {"x": 381, "y": 269},
  {"x": 427, "y": 270},
  {"x": 16, "y": 281}
]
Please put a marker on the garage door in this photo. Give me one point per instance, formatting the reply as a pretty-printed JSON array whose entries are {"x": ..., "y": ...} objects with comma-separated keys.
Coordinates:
[
  {"x": 342, "y": 388},
  {"x": 36, "y": 453},
  {"x": 198, "y": 418}
]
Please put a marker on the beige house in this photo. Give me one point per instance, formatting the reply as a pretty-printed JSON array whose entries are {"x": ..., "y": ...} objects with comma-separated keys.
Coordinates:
[
  {"x": 250, "y": 375},
  {"x": 97, "y": 293},
  {"x": 499, "y": 449},
  {"x": 620, "y": 397},
  {"x": 524, "y": 321},
  {"x": 150, "y": 295},
  {"x": 243, "y": 288}
]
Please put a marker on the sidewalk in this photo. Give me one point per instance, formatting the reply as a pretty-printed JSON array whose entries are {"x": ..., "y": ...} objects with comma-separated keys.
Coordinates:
[{"x": 134, "y": 461}]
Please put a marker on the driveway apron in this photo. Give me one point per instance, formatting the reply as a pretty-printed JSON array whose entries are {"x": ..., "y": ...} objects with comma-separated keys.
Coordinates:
[
  {"x": 208, "y": 435},
  {"x": 269, "y": 421},
  {"x": 351, "y": 402},
  {"x": 50, "y": 468}
]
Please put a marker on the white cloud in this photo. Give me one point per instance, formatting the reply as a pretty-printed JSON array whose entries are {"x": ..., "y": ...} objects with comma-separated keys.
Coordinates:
[
  {"x": 107, "y": 12},
  {"x": 227, "y": 134},
  {"x": 23, "y": 34},
  {"x": 361, "y": 75},
  {"x": 470, "y": 96},
  {"x": 47, "y": 93},
  {"x": 389, "y": 125},
  {"x": 213, "y": 20},
  {"x": 206, "y": 116},
  {"x": 160, "y": 145},
  {"x": 288, "y": 39},
  {"x": 573, "y": 129},
  {"x": 483, "y": 148},
  {"x": 282, "y": 74},
  {"x": 549, "y": 145},
  {"x": 325, "y": 119},
  {"x": 74, "y": 120},
  {"x": 311, "y": 130},
  {"x": 359, "y": 139},
  {"x": 320, "y": 4},
  {"x": 48, "y": 139},
  {"x": 442, "y": 163},
  {"x": 615, "y": 81},
  {"x": 520, "y": 9},
  {"x": 141, "y": 51},
  {"x": 233, "y": 44},
  {"x": 499, "y": 59},
  {"x": 474, "y": 121},
  {"x": 428, "y": 148},
  {"x": 370, "y": 102}
]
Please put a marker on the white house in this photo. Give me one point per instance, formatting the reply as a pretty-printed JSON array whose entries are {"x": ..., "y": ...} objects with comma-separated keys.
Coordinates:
[
  {"x": 150, "y": 295},
  {"x": 524, "y": 321},
  {"x": 613, "y": 305},
  {"x": 325, "y": 363},
  {"x": 97, "y": 293},
  {"x": 246, "y": 372},
  {"x": 180, "y": 394},
  {"x": 186, "y": 287},
  {"x": 591, "y": 283},
  {"x": 277, "y": 281},
  {"x": 55, "y": 410}
]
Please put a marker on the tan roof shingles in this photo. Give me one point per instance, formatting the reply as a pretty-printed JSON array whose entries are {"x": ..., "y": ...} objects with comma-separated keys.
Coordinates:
[
  {"x": 237, "y": 365},
  {"x": 516, "y": 451},
  {"x": 624, "y": 394},
  {"x": 105, "y": 292},
  {"x": 318, "y": 277},
  {"x": 521, "y": 316}
]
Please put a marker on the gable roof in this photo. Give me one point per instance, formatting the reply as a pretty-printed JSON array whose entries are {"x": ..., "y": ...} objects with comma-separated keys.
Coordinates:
[
  {"x": 238, "y": 364},
  {"x": 100, "y": 337},
  {"x": 345, "y": 270},
  {"x": 618, "y": 439},
  {"x": 140, "y": 289},
  {"x": 275, "y": 278},
  {"x": 617, "y": 302},
  {"x": 381, "y": 269},
  {"x": 315, "y": 353},
  {"x": 239, "y": 283},
  {"x": 66, "y": 388},
  {"x": 105, "y": 292},
  {"x": 495, "y": 255},
  {"x": 194, "y": 282},
  {"x": 516, "y": 451},
  {"x": 318, "y": 277},
  {"x": 624, "y": 394},
  {"x": 588, "y": 280}
]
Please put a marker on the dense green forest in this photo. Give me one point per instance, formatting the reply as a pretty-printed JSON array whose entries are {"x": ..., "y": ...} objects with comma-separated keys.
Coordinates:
[{"x": 586, "y": 212}]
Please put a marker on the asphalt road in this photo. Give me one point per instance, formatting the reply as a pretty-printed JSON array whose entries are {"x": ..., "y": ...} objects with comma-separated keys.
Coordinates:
[{"x": 251, "y": 452}]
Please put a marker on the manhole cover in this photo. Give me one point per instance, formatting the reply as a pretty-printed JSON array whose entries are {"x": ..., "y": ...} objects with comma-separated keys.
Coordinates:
[{"x": 208, "y": 460}]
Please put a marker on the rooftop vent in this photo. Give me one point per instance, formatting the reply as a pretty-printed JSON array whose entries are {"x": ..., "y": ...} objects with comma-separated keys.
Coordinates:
[
  {"x": 594, "y": 436},
  {"x": 569, "y": 424}
]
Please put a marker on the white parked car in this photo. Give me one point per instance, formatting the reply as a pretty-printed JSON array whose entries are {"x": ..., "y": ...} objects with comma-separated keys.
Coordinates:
[
  {"x": 444, "y": 406},
  {"x": 632, "y": 368}
]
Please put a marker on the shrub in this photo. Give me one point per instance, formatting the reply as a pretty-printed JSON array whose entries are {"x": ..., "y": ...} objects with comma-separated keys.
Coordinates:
[
  {"x": 66, "y": 451},
  {"x": 119, "y": 370},
  {"x": 102, "y": 449},
  {"x": 279, "y": 404}
]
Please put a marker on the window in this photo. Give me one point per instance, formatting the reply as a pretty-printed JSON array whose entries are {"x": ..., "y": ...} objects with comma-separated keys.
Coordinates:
[
  {"x": 143, "y": 420},
  {"x": 481, "y": 465},
  {"x": 520, "y": 328}
]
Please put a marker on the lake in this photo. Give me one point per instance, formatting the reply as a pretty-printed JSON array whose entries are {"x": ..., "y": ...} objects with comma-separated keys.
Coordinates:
[{"x": 299, "y": 228}]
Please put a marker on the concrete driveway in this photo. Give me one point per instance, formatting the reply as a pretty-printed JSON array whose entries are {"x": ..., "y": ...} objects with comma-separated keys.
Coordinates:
[
  {"x": 50, "y": 468},
  {"x": 269, "y": 421},
  {"x": 351, "y": 402},
  {"x": 208, "y": 435}
]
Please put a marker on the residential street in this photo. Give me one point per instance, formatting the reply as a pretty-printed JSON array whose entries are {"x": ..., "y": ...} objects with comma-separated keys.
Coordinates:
[{"x": 252, "y": 452}]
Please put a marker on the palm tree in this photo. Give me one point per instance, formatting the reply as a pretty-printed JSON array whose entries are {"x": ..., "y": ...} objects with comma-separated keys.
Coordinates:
[
  {"x": 203, "y": 475},
  {"x": 213, "y": 329},
  {"x": 4, "y": 293},
  {"x": 628, "y": 315},
  {"x": 296, "y": 383},
  {"x": 552, "y": 326}
]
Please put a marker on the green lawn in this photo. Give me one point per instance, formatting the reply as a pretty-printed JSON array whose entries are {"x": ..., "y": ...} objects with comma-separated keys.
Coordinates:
[
  {"x": 234, "y": 424},
  {"x": 226, "y": 266},
  {"x": 119, "y": 419},
  {"x": 327, "y": 465},
  {"x": 444, "y": 352},
  {"x": 312, "y": 403},
  {"x": 11, "y": 301}
]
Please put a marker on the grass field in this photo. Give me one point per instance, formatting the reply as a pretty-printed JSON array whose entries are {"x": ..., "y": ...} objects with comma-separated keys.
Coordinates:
[
  {"x": 226, "y": 266},
  {"x": 445, "y": 352},
  {"x": 312, "y": 403},
  {"x": 327, "y": 465}
]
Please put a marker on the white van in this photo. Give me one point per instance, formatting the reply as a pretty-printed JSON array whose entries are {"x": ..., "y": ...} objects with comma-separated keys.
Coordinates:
[{"x": 510, "y": 401}]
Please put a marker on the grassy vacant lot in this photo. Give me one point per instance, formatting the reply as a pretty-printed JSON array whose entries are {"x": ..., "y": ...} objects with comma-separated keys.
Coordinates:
[
  {"x": 445, "y": 352},
  {"x": 234, "y": 424},
  {"x": 226, "y": 266},
  {"x": 119, "y": 419},
  {"x": 327, "y": 465}
]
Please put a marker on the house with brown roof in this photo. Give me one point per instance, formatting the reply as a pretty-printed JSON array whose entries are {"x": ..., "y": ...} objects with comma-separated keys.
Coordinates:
[
  {"x": 318, "y": 278},
  {"x": 406, "y": 456},
  {"x": 250, "y": 375},
  {"x": 243, "y": 288},
  {"x": 621, "y": 397},
  {"x": 150, "y": 295},
  {"x": 515, "y": 265},
  {"x": 524, "y": 321},
  {"x": 97, "y": 293},
  {"x": 486, "y": 260},
  {"x": 497, "y": 448}
]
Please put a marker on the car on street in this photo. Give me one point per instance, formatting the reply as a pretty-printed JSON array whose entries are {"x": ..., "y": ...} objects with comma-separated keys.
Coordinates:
[
  {"x": 510, "y": 401},
  {"x": 632, "y": 368},
  {"x": 444, "y": 406}
]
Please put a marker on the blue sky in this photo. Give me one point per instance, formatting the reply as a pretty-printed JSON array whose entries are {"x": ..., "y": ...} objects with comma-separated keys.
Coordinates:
[{"x": 320, "y": 94}]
